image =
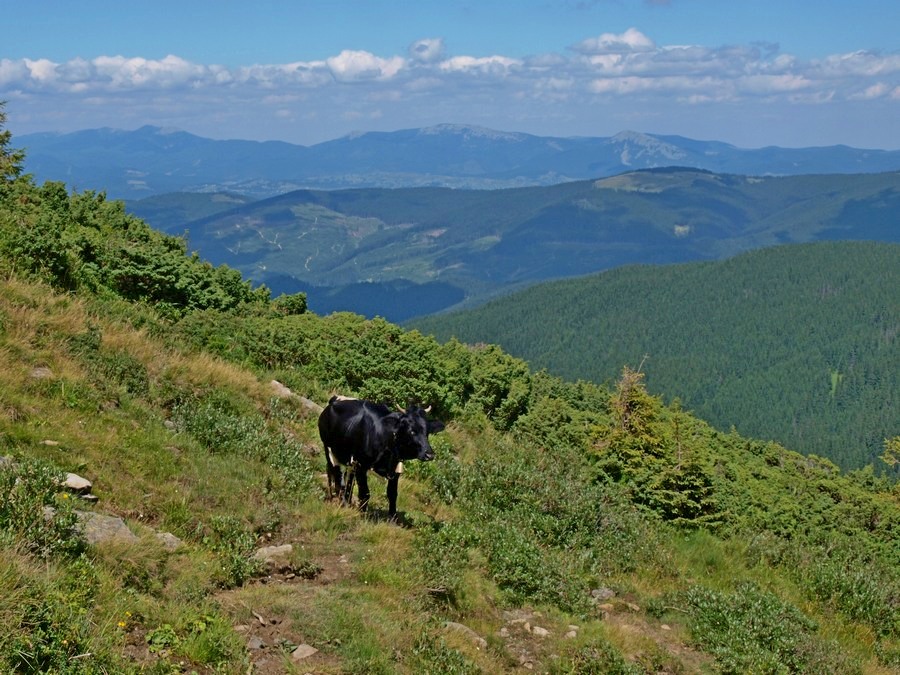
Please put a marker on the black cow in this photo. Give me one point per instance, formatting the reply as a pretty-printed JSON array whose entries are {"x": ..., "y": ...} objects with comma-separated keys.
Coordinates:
[{"x": 362, "y": 435}]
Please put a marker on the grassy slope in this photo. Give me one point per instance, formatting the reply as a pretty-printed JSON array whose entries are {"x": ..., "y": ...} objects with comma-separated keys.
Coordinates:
[{"x": 374, "y": 605}]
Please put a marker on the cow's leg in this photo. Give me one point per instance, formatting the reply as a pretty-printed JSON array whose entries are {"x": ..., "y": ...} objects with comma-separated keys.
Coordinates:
[
  {"x": 334, "y": 476},
  {"x": 347, "y": 494},
  {"x": 362, "y": 481},
  {"x": 393, "y": 482}
]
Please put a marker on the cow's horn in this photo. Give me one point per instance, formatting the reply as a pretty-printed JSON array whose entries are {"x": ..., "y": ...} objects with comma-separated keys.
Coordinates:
[{"x": 427, "y": 410}]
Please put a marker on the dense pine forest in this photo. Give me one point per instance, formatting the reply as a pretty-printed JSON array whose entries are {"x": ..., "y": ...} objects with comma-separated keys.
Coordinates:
[
  {"x": 795, "y": 343},
  {"x": 564, "y": 527}
]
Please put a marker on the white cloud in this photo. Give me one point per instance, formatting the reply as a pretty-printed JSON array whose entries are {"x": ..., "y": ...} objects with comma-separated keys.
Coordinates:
[
  {"x": 121, "y": 72},
  {"x": 874, "y": 91},
  {"x": 623, "y": 64},
  {"x": 858, "y": 64},
  {"x": 428, "y": 86},
  {"x": 305, "y": 74},
  {"x": 42, "y": 70},
  {"x": 13, "y": 73},
  {"x": 632, "y": 40},
  {"x": 354, "y": 66},
  {"x": 427, "y": 50},
  {"x": 773, "y": 84},
  {"x": 494, "y": 65}
]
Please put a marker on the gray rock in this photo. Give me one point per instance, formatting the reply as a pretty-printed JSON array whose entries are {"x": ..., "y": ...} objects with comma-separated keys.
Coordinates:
[
  {"x": 468, "y": 632},
  {"x": 256, "y": 643},
  {"x": 601, "y": 594},
  {"x": 98, "y": 527},
  {"x": 41, "y": 373},
  {"x": 276, "y": 558},
  {"x": 75, "y": 483},
  {"x": 281, "y": 391},
  {"x": 303, "y": 652},
  {"x": 540, "y": 632},
  {"x": 169, "y": 541}
]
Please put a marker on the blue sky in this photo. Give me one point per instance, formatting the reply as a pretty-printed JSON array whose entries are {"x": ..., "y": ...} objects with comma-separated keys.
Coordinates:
[{"x": 752, "y": 73}]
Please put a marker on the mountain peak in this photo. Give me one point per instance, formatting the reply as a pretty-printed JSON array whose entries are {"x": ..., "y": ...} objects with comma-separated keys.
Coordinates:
[
  {"x": 649, "y": 150},
  {"x": 471, "y": 131}
]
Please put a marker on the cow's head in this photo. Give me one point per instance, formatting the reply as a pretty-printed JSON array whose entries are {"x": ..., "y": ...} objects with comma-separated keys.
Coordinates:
[{"x": 413, "y": 428}]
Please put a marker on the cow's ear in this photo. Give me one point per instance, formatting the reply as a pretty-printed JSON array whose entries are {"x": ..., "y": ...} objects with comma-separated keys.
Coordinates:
[
  {"x": 435, "y": 426},
  {"x": 392, "y": 421}
]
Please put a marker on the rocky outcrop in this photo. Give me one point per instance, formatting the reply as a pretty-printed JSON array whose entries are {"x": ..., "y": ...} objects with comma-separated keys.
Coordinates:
[{"x": 281, "y": 391}]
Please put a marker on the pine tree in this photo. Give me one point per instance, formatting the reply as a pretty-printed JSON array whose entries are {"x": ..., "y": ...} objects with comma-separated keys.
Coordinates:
[{"x": 11, "y": 161}]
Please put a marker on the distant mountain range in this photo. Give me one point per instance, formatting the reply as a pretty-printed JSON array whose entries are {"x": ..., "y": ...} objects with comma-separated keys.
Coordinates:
[
  {"x": 414, "y": 251},
  {"x": 152, "y": 161}
]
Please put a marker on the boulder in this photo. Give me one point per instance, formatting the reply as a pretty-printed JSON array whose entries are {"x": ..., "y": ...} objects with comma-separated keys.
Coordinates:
[
  {"x": 281, "y": 391},
  {"x": 169, "y": 541},
  {"x": 98, "y": 527},
  {"x": 275, "y": 558},
  {"x": 602, "y": 594},
  {"x": 76, "y": 484}
]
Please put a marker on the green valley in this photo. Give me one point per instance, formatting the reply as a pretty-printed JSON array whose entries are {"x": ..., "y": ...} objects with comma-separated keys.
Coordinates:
[{"x": 477, "y": 243}]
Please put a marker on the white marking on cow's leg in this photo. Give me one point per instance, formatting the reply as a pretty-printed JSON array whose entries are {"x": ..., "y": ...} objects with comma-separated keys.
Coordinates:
[
  {"x": 347, "y": 493},
  {"x": 399, "y": 468},
  {"x": 332, "y": 458},
  {"x": 328, "y": 473}
]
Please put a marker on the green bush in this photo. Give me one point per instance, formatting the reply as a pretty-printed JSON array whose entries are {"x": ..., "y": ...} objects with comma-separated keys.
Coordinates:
[
  {"x": 114, "y": 370},
  {"x": 35, "y": 513},
  {"x": 432, "y": 655},
  {"x": 752, "y": 630},
  {"x": 54, "y": 631},
  {"x": 859, "y": 588},
  {"x": 234, "y": 546},
  {"x": 444, "y": 549},
  {"x": 599, "y": 658},
  {"x": 221, "y": 427}
]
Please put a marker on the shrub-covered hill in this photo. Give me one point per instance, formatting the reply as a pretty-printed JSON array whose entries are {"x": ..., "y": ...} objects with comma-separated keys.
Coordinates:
[
  {"x": 797, "y": 343},
  {"x": 564, "y": 527},
  {"x": 470, "y": 245}
]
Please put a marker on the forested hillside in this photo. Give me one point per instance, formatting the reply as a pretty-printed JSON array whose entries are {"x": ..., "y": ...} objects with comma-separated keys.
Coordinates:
[
  {"x": 477, "y": 243},
  {"x": 795, "y": 343},
  {"x": 564, "y": 527}
]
